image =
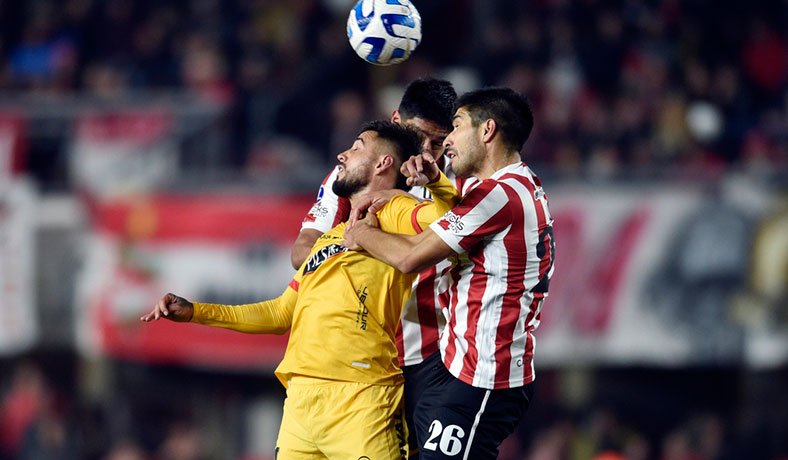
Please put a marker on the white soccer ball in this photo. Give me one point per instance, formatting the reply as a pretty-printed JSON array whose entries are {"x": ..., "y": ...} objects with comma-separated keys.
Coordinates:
[{"x": 384, "y": 32}]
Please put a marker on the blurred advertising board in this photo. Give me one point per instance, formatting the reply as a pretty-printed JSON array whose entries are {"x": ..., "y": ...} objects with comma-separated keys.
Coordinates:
[
  {"x": 118, "y": 153},
  {"x": 19, "y": 326},
  {"x": 652, "y": 275},
  {"x": 668, "y": 275},
  {"x": 209, "y": 248},
  {"x": 13, "y": 147}
]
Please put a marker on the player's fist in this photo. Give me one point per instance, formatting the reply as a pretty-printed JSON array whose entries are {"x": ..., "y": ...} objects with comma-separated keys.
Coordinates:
[
  {"x": 171, "y": 307},
  {"x": 420, "y": 169}
]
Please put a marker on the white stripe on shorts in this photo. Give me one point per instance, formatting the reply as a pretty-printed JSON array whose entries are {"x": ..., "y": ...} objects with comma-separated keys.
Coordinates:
[{"x": 475, "y": 424}]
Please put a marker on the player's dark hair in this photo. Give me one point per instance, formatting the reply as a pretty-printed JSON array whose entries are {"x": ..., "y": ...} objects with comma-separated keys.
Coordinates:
[
  {"x": 510, "y": 110},
  {"x": 406, "y": 142},
  {"x": 430, "y": 99}
]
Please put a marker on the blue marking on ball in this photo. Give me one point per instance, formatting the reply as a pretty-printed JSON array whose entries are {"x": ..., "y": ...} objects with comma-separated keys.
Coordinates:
[
  {"x": 377, "y": 46},
  {"x": 363, "y": 21}
]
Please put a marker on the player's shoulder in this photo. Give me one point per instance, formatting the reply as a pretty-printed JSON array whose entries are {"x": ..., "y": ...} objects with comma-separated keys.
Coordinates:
[
  {"x": 403, "y": 199},
  {"x": 403, "y": 202},
  {"x": 336, "y": 233},
  {"x": 397, "y": 212}
]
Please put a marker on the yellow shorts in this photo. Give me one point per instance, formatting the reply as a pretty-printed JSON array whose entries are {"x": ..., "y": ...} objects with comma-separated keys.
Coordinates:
[{"x": 342, "y": 420}]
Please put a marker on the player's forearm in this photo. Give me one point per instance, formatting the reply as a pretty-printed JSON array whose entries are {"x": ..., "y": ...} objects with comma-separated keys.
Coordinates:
[
  {"x": 267, "y": 317},
  {"x": 303, "y": 245},
  {"x": 393, "y": 249}
]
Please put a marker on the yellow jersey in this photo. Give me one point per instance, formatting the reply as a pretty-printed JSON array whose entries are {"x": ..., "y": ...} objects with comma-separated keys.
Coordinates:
[{"x": 342, "y": 307}]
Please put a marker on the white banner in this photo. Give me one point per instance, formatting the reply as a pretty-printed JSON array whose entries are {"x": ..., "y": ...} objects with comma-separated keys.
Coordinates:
[
  {"x": 665, "y": 275},
  {"x": 122, "y": 153},
  {"x": 206, "y": 248},
  {"x": 19, "y": 327},
  {"x": 659, "y": 275}
]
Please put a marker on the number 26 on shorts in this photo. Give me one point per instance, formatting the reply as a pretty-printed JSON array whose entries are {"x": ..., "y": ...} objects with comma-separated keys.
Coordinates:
[{"x": 450, "y": 442}]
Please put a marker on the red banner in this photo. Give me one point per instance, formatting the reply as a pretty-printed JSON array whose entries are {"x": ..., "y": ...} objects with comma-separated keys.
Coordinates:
[
  {"x": 218, "y": 249},
  {"x": 659, "y": 276},
  {"x": 13, "y": 145}
]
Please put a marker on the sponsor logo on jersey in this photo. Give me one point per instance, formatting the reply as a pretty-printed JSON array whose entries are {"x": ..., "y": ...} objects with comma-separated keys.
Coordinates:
[
  {"x": 318, "y": 211},
  {"x": 326, "y": 236},
  {"x": 455, "y": 222},
  {"x": 322, "y": 255},
  {"x": 363, "y": 311},
  {"x": 538, "y": 193}
]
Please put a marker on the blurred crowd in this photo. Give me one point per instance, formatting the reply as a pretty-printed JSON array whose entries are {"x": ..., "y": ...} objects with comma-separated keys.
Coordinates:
[{"x": 622, "y": 85}]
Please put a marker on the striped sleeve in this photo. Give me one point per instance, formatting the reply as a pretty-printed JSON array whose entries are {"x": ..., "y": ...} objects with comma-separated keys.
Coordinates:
[
  {"x": 482, "y": 212},
  {"x": 329, "y": 209}
]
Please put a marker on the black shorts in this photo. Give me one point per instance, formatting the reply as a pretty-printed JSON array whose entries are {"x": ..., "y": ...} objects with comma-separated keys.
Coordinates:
[
  {"x": 417, "y": 379},
  {"x": 454, "y": 420}
]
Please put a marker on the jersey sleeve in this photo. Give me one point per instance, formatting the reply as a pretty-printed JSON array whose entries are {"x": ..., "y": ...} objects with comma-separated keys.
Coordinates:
[
  {"x": 398, "y": 214},
  {"x": 405, "y": 214},
  {"x": 444, "y": 197},
  {"x": 267, "y": 317},
  {"x": 483, "y": 212},
  {"x": 329, "y": 209}
]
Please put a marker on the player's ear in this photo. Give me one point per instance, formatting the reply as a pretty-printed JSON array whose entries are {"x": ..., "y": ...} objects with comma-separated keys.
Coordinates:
[
  {"x": 488, "y": 129},
  {"x": 385, "y": 162},
  {"x": 396, "y": 117}
]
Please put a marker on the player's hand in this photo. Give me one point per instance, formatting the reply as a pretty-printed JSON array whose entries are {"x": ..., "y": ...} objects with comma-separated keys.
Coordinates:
[
  {"x": 420, "y": 169},
  {"x": 371, "y": 203},
  {"x": 171, "y": 307},
  {"x": 352, "y": 234}
]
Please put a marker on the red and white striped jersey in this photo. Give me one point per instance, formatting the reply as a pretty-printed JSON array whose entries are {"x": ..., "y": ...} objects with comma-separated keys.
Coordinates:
[
  {"x": 422, "y": 319},
  {"x": 502, "y": 232},
  {"x": 329, "y": 210}
]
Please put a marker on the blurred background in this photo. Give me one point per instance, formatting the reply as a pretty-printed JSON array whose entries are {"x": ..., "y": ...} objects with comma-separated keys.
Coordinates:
[{"x": 149, "y": 146}]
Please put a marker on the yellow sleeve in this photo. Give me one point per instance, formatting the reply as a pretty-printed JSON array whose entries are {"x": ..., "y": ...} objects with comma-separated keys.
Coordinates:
[
  {"x": 267, "y": 317},
  {"x": 444, "y": 197},
  {"x": 406, "y": 215}
]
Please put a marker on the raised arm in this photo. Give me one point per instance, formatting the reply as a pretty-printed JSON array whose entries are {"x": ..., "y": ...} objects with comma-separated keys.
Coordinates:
[{"x": 268, "y": 317}]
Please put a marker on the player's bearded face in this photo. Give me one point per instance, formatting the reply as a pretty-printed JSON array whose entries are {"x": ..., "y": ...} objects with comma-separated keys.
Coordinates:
[{"x": 353, "y": 181}]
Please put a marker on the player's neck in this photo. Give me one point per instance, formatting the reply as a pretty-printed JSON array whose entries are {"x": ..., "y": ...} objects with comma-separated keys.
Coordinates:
[
  {"x": 377, "y": 184},
  {"x": 497, "y": 159}
]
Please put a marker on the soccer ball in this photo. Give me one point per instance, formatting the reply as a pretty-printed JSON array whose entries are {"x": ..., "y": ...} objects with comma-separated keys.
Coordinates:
[{"x": 384, "y": 32}]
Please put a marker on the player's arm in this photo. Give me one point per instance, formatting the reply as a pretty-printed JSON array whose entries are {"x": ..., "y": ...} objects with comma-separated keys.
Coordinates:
[
  {"x": 303, "y": 245},
  {"x": 328, "y": 211},
  {"x": 444, "y": 197},
  {"x": 268, "y": 317},
  {"x": 406, "y": 253},
  {"x": 419, "y": 169},
  {"x": 482, "y": 212}
]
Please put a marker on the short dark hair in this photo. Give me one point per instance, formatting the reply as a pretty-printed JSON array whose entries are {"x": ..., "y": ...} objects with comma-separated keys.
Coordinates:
[
  {"x": 405, "y": 140},
  {"x": 510, "y": 110},
  {"x": 430, "y": 99}
]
